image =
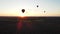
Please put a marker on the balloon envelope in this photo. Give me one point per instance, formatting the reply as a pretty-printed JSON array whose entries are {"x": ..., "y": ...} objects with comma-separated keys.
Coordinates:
[
  {"x": 23, "y": 10},
  {"x": 44, "y": 11},
  {"x": 37, "y": 6}
]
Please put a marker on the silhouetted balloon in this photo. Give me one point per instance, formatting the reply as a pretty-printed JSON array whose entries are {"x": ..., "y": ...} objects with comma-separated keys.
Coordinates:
[
  {"x": 37, "y": 6},
  {"x": 44, "y": 11},
  {"x": 23, "y": 10}
]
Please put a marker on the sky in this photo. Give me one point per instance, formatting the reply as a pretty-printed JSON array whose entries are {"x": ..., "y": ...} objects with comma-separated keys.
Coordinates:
[{"x": 14, "y": 7}]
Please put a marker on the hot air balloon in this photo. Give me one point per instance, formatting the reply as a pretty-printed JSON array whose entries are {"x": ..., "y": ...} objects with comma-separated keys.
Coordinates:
[
  {"x": 44, "y": 11},
  {"x": 37, "y": 6},
  {"x": 23, "y": 10}
]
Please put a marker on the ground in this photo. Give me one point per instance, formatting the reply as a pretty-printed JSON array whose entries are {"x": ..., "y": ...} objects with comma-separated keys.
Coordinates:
[{"x": 29, "y": 25}]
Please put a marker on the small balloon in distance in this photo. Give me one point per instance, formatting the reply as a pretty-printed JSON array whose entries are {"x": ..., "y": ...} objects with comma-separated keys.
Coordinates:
[
  {"x": 37, "y": 6},
  {"x": 44, "y": 11},
  {"x": 23, "y": 10}
]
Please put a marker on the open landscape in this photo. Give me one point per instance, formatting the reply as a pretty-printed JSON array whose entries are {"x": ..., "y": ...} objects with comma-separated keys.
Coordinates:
[
  {"x": 29, "y": 25},
  {"x": 29, "y": 16}
]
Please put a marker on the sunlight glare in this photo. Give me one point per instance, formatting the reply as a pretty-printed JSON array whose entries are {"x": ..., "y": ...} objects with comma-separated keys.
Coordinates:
[{"x": 22, "y": 15}]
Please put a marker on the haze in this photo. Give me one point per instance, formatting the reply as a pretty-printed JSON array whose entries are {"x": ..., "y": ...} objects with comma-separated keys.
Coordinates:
[{"x": 13, "y": 7}]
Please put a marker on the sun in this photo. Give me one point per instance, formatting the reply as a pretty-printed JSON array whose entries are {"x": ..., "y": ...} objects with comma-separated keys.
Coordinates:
[{"x": 22, "y": 15}]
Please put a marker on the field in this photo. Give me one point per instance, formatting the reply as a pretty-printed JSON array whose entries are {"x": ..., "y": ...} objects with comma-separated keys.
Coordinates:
[{"x": 29, "y": 25}]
